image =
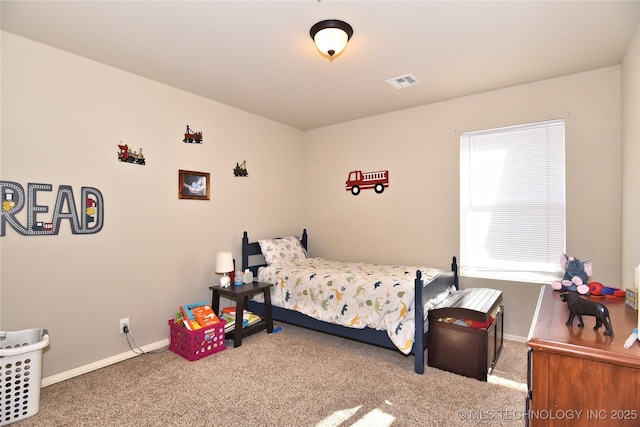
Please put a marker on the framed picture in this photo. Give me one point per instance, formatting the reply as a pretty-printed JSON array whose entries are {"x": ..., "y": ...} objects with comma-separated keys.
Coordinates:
[{"x": 193, "y": 185}]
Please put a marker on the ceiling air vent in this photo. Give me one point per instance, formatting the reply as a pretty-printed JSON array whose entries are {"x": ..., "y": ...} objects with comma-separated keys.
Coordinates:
[{"x": 403, "y": 81}]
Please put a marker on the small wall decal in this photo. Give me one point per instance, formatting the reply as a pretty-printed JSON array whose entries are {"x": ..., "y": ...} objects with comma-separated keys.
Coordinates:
[
  {"x": 241, "y": 169},
  {"x": 358, "y": 180},
  {"x": 191, "y": 137},
  {"x": 130, "y": 156}
]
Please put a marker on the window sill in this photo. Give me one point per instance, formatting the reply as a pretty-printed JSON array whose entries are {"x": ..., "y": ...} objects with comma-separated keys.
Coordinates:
[{"x": 512, "y": 276}]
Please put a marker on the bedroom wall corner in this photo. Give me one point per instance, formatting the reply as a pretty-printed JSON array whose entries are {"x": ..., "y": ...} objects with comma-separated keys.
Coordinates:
[{"x": 631, "y": 161}]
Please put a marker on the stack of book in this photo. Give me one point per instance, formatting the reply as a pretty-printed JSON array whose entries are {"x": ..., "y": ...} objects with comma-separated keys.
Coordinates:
[
  {"x": 229, "y": 315},
  {"x": 196, "y": 316}
]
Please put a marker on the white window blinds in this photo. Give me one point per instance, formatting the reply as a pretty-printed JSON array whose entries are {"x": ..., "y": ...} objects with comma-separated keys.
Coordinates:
[{"x": 512, "y": 201}]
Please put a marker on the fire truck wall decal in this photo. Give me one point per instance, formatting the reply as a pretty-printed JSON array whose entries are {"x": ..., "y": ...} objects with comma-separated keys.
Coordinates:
[
  {"x": 358, "y": 180},
  {"x": 128, "y": 155},
  {"x": 15, "y": 198},
  {"x": 191, "y": 137}
]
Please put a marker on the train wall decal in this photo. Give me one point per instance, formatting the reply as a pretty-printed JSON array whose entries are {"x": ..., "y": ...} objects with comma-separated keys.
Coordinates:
[
  {"x": 128, "y": 155},
  {"x": 240, "y": 169},
  {"x": 15, "y": 199},
  {"x": 191, "y": 137}
]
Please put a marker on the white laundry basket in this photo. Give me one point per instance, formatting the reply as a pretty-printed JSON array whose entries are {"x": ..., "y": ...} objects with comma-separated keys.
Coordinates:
[{"x": 20, "y": 373}]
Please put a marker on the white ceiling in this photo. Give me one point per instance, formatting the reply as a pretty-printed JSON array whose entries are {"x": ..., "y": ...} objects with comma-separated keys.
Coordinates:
[{"x": 258, "y": 55}]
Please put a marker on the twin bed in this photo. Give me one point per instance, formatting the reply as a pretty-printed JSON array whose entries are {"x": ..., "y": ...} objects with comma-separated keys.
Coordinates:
[{"x": 371, "y": 303}]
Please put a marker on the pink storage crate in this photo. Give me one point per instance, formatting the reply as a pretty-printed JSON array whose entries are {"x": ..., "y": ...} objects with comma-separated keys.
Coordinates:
[{"x": 194, "y": 345}]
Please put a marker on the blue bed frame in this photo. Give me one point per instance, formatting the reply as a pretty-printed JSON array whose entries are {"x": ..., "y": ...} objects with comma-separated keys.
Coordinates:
[{"x": 424, "y": 292}]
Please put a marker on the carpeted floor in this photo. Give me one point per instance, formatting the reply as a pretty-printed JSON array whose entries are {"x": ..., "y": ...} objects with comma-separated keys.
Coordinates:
[{"x": 293, "y": 378}]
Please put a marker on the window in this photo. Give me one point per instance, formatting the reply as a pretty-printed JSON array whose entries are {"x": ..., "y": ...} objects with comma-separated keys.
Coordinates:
[{"x": 512, "y": 202}]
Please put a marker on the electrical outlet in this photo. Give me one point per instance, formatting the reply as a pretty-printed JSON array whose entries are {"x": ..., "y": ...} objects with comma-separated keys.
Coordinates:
[{"x": 124, "y": 322}]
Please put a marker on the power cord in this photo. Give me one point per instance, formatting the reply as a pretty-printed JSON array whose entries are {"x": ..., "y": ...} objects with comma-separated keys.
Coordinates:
[{"x": 135, "y": 347}]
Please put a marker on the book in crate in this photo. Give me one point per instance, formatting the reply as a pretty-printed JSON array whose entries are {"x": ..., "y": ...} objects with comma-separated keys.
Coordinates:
[
  {"x": 196, "y": 315},
  {"x": 205, "y": 316}
]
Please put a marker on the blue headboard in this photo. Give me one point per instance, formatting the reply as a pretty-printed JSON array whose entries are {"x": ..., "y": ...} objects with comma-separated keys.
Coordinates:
[{"x": 252, "y": 249}]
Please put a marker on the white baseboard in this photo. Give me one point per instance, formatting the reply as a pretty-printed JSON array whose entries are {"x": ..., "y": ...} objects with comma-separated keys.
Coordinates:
[
  {"x": 47, "y": 381},
  {"x": 515, "y": 338}
]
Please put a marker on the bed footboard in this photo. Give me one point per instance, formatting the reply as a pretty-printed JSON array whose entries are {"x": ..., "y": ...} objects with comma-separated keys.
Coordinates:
[{"x": 424, "y": 293}]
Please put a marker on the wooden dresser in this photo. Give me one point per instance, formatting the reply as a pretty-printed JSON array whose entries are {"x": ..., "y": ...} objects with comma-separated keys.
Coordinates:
[{"x": 579, "y": 376}]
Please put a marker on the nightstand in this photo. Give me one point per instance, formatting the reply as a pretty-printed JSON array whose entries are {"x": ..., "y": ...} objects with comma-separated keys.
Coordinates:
[{"x": 241, "y": 294}]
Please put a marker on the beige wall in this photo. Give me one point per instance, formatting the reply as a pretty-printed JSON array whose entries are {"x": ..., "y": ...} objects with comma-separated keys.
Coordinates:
[
  {"x": 416, "y": 219},
  {"x": 631, "y": 161},
  {"x": 62, "y": 118}
]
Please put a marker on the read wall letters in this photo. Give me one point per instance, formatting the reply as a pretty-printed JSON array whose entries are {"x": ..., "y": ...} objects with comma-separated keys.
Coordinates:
[{"x": 14, "y": 199}]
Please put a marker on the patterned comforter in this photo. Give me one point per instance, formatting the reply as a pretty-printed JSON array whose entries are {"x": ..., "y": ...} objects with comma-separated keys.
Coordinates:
[{"x": 355, "y": 295}]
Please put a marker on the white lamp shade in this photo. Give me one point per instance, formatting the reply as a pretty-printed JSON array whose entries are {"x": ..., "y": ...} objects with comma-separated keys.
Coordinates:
[
  {"x": 224, "y": 262},
  {"x": 331, "y": 41}
]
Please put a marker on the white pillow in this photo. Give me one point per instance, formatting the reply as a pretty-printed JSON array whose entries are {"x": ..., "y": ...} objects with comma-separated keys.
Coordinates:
[{"x": 279, "y": 251}]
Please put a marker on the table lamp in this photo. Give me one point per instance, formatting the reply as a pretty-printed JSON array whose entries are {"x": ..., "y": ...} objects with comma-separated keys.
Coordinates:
[{"x": 224, "y": 264}]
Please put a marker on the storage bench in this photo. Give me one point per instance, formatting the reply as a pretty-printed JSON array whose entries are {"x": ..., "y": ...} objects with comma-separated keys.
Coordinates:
[{"x": 465, "y": 350}]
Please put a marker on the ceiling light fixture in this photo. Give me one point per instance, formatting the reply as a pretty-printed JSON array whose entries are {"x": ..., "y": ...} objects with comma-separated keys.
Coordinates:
[{"x": 331, "y": 36}]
